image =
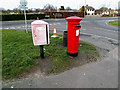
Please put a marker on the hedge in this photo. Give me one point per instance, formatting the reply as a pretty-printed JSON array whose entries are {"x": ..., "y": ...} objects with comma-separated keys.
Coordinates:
[{"x": 10, "y": 17}]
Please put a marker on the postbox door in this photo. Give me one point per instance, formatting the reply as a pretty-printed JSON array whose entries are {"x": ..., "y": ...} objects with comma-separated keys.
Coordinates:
[{"x": 39, "y": 35}]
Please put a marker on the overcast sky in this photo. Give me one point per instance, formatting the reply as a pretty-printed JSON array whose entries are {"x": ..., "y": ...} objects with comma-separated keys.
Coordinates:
[{"x": 74, "y": 4}]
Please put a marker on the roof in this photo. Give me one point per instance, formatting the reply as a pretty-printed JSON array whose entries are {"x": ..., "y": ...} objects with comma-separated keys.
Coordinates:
[
  {"x": 89, "y": 7},
  {"x": 74, "y": 19},
  {"x": 37, "y": 22}
]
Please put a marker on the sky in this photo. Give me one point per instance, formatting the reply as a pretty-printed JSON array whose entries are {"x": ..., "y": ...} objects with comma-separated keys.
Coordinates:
[{"x": 74, "y": 4}]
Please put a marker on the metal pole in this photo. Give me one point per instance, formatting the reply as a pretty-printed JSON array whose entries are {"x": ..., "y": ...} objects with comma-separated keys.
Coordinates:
[
  {"x": 85, "y": 2},
  {"x": 84, "y": 11},
  {"x": 41, "y": 51},
  {"x": 55, "y": 15},
  {"x": 25, "y": 19},
  {"x": 84, "y": 8}
]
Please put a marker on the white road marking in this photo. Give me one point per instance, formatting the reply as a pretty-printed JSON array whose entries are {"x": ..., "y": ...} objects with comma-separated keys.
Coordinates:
[
  {"x": 54, "y": 23},
  {"x": 84, "y": 74},
  {"x": 101, "y": 36},
  {"x": 85, "y": 21},
  {"x": 12, "y": 87},
  {"x": 110, "y": 20},
  {"x": 58, "y": 23},
  {"x": 106, "y": 23},
  {"x": 19, "y": 27},
  {"x": 84, "y": 29},
  {"x": 12, "y": 28},
  {"x": 6, "y": 28},
  {"x": 106, "y": 29}
]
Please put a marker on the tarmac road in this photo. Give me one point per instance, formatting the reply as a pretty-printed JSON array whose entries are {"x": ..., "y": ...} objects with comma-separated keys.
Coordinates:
[
  {"x": 90, "y": 26},
  {"x": 101, "y": 74}
]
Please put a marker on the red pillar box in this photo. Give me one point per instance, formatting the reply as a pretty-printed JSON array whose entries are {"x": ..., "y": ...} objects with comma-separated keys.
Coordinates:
[{"x": 73, "y": 35}]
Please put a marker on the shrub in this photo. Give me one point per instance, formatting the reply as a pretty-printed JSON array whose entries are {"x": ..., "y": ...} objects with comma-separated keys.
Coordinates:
[
  {"x": 105, "y": 15},
  {"x": 10, "y": 17}
]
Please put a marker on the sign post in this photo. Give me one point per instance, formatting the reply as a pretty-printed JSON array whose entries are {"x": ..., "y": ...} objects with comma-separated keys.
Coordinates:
[
  {"x": 41, "y": 51},
  {"x": 23, "y": 4}
]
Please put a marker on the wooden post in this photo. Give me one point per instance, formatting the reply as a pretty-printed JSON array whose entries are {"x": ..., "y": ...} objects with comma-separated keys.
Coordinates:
[{"x": 41, "y": 51}]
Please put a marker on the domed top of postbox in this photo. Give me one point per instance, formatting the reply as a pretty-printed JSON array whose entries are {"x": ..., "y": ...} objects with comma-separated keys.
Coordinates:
[
  {"x": 74, "y": 19},
  {"x": 37, "y": 22}
]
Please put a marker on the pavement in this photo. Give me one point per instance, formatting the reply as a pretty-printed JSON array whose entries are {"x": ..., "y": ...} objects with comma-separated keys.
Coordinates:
[{"x": 100, "y": 74}]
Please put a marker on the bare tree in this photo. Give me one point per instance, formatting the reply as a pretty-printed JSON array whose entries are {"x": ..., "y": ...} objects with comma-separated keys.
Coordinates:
[
  {"x": 29, "y": 10},
  {"x": 37, "y": 10},
  {"x": 16, "y": 10},
  {"x": 103, "y": 9},
  {"x": 83, "y": 9},
  {"x": 49, "y": 7},
  {"x": 68, "y": 8},
  {"x": 8, "y": 11}
]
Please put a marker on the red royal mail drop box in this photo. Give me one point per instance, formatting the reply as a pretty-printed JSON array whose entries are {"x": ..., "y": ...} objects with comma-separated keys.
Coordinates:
[{"x": 73, "y": 35}]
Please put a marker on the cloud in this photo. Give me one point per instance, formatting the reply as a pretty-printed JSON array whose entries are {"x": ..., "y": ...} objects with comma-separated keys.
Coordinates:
[{"x": 74, "y": 4}]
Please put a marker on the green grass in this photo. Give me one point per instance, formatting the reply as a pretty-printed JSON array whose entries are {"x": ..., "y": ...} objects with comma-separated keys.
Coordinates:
[
  {"x": 19, "y": 53},
  {"x": 115, "y": 23}
]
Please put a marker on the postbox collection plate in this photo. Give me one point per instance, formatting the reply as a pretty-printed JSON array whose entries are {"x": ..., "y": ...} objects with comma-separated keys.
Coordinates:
[{"x": 77, "y": 32}]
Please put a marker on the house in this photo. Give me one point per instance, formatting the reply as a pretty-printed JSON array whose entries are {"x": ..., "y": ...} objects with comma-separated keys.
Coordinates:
[
  {"x": 103, "y": 11},
  {"x": 115, "y": 12},
  {"x": 98, "y": 12},
  {"x": 89, "y": 10},
  {"x": 106, "y": 12}
]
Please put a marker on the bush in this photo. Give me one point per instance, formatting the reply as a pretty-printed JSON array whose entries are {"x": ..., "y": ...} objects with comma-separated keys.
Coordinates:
[
  {"x": 10, "y": 17},
  {"x": 105, "y": 15}
]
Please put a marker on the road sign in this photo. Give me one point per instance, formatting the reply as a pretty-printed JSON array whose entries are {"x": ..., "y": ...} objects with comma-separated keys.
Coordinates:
[
  {"x": 23, "y": 2},
  {"x": 22, "y": 7}
]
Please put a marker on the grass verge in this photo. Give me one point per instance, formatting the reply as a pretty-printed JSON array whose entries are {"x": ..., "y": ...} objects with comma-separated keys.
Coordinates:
[
  {"x": 115, "y": 23},
  {"x": 19, "y": 54}
]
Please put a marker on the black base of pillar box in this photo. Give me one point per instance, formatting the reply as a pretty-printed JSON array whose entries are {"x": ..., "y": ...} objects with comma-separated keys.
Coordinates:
[{"x": 72, "y": 54}]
